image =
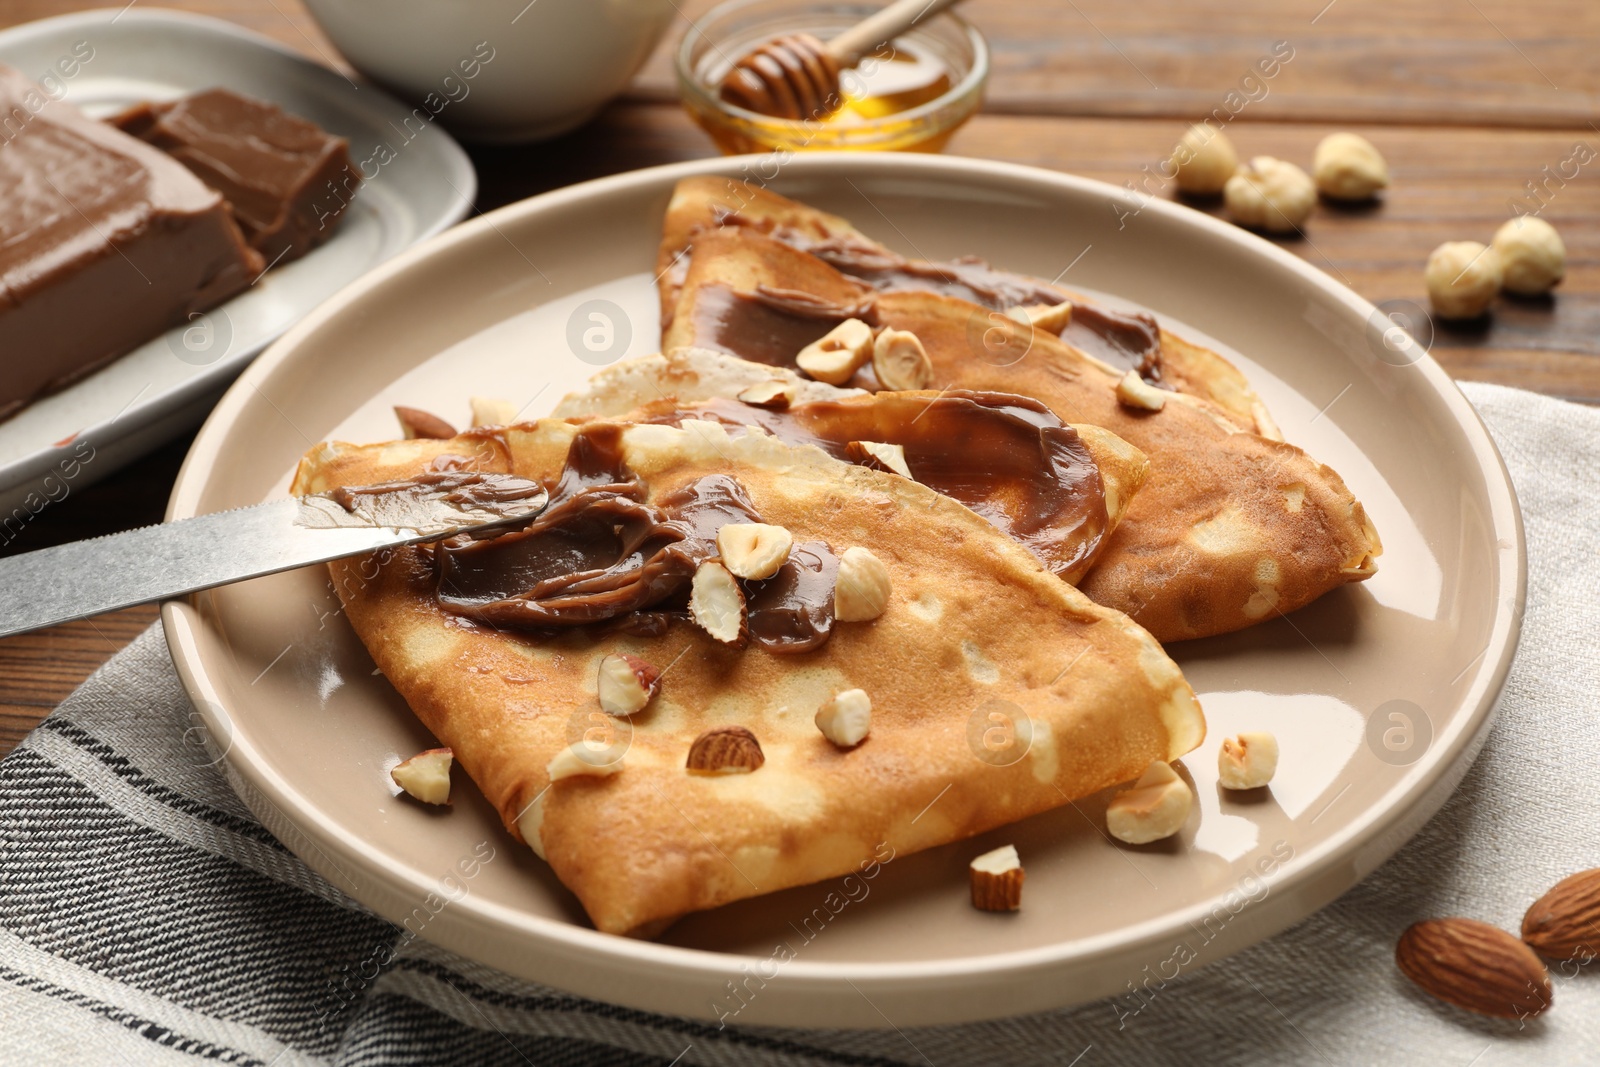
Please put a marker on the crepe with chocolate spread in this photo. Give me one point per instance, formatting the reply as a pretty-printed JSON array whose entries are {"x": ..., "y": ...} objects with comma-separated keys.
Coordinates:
[
  {"x": 1230, "y": 527},
  {"x": 1120, "y": 340},
  {"x": 997, "y": 690}
]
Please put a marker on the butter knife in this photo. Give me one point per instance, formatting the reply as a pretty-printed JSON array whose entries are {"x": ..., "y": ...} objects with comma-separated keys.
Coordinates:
[{"x": 83, "y": 578}]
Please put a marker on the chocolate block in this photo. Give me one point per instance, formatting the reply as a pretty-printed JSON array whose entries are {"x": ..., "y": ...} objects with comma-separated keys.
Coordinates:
[
  {"x": 105, "y": 242},
  {"x": 288, "y": 180}
]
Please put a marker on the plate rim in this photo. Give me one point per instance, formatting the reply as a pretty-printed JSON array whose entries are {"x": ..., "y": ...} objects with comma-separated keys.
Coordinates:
[{"x": 1389, "y": 825}]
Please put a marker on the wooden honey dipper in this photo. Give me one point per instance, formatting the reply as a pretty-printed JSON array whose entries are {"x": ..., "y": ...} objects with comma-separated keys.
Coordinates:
[{"x": 796, "y": 76}]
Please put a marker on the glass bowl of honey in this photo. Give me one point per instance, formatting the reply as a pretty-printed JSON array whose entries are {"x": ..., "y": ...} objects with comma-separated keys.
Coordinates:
[{"x": 909, "y": 96}]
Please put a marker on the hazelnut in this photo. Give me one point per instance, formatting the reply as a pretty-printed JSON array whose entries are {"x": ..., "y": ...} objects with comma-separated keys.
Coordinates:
[
  {"x": 626, "y": 684},
  {"x": 837, "y": 355},
  {"x": 1532, "y": 257},
  {"x": 1269, "y": 194},
  {"x": 426, "y": 775},
  {"x": 879, "y": 456},
  {"x": 492, "y": 411},
  {"x": 1156, "y": 807},
  {"x": 753, "y": 550},
  {"x": 1204, "y": 160},
  {"x": 583, "y": 760},
  {"x": 1247, "y": 761},
  {"x": 847, "y": 718},
  {"x": 774, "y": 394},
  {"x": 716, "y": 604},
  {"x": 900, "y": 362},
  {"x": 997, "y": 880},
  {"x": 416, "y": 423},
  {"x": 1134, "y": 392},
  {"x": 1050, "y": 317},
  {"x": 1348, "y": 167},
  {"x": 861, "y": 589},
  {"x": 1463, "y": 277},
  {"x": 725, "y": 750}
]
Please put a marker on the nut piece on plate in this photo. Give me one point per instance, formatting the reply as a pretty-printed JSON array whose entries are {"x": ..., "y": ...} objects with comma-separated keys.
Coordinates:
[
  {"x": 900, "y": 361},
  {"x": 426, "y": 775},
  {"x": 1247, "y": 761},
  {"x": 997, "y": 880},
  {"x": 1474, "y": 966},
  {"x": 1156, "y": 807},
  {"x": 1532, "y": 255},
  {"x": 416, "y": 423},
  {"x": 1348, "y": 167},
  {"x": 1564, "y": 924},
  {"x": 725, "y": 750},
  {"x": 879, "y": 455},
  {"x": 1463, "y": 277},
  {"x": 847, "y": 718},
  {"x": 753, "y": 550},
  {"x": 838, "y": 354},
  {"x": 1134, "y": 392},
  {"x": 492, "y": 411},
  {"x": 1204, "y": 160},
  {"x": 627, "y": 683},
  {"x": 861, "y": 588},
  {"x": 1270, "y": 194},
  {"x": 583, "y": 760},
  {"x": 1051, "y": 317},
  {"x": 774, "y": 394},
  {"x": 716, "y": 603}
]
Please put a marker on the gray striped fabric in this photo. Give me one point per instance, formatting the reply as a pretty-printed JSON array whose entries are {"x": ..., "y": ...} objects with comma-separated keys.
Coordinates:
[{"x": 146, "y": 918}]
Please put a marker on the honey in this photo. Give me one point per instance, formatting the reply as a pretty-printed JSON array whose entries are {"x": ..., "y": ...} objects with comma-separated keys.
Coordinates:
[{"x": 898, "y": 78}]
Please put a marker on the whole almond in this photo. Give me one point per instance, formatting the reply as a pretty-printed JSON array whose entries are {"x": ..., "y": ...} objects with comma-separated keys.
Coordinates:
[
  {"x": 1564, "y": 924},
  {"x": 1474, "y": 966}
]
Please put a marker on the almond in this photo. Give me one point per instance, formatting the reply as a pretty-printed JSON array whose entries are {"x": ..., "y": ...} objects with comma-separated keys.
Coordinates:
[
  {"x": 900, "y": 362},
  {"x": 716, "y": 604},
  {"x": 835, "y": 357},
  {"x": 774, "y": 394},
  {"x": 725, "y": 750},
  {"x": 1564, "y": 924},
  {"x": 753, "y": 550},
  {"x": 627, "y": 683},
  {"x": 997, "y": 880},
  {"x": 415, "y": 423},
  {"x": 879, "y": 456},
  {"x": 847, "y": 718},
  {"x": 426, "y": 775},
  {"x": 861, "y": 588},
  {"x": 1474, "y": 966}
]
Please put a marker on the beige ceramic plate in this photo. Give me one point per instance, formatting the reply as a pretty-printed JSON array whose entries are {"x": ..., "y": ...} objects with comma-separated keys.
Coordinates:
[{"x": 1380, "y": 693}]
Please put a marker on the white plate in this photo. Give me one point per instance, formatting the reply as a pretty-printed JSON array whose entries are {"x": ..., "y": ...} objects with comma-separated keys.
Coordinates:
[{"x": 168, "y": 384}]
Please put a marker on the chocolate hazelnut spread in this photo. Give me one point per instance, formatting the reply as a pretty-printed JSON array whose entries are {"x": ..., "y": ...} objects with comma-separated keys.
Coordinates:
[
  {"x": 767, "y": 325},
  {"x": 429, "y": 499}
]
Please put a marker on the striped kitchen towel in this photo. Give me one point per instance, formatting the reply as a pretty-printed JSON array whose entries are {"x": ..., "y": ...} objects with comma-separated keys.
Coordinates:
[{"x": 147, "y": 918}]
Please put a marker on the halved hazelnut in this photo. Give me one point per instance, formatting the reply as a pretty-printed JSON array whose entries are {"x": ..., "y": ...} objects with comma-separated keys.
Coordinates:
[
  {"x": 426, "y": 775},
  {"x": 716, "y": 603},
  {"x": 725, "y": 750},
  {"x": 900, "y": 361},
  {"x": 837, "y": 355},
  {"x": 627, "y": 683},
  {"x": 581, "y": 759},
  {"x": 861, "y": 589},
  {"x": 753, "y": 550},
  {"x": 1247, "y": 761},
  {"x": 1051, "y": 317},
  {"x": 1134, "y": 392},
  {"x": 492, "y": 411},
  {"x": 1156, "y": 807},
  {"x": 774, "y": 394},
  {"x": 879, "y": 456},
  {"x": 997, "y": 880},
  {"x": 847, "y": 718},
  {"x": 416, "y": 423}
]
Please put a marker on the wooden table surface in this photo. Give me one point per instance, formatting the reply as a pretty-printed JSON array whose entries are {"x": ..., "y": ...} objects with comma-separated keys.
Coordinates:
[{"x": 1477, "y": 104}]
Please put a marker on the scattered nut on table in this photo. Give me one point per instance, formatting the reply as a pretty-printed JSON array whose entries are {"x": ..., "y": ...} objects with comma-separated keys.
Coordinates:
[
  {"x": 1270, "y": 194},
  {"x": 1247, "y": 760},
  {"x": 1347, "y": 167},
  {"x": 1532, "y": 255},
  {"x": 1203, "y": 161},
  {"x": 846, "y": 719},
  {"x": 1463, "y": 278},
  {"x": 426, "y": 775},
  {"x": 1156, "y": 807},
  {"x": 997, "y": 880}
]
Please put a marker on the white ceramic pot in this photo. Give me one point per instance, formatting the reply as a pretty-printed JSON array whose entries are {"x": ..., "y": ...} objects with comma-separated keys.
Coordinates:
[{"x": 498, "y": 70}]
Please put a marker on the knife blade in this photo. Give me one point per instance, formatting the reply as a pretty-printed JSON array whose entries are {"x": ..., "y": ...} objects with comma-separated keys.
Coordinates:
[{"x": 83, "y": 578}]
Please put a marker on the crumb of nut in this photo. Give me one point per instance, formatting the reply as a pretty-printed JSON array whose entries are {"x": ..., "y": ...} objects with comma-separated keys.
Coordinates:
[
  {"x": 861, "y": 588},
  {"x": 626, "y": 684},
  {"x": 725, "y": 750},
  {"x": 900, "y": 361},
  {"x": 1347, "y": 167},
  {"x": 753, "y": 550},
  {"x": 997, "y": 880},
  {"x": 426, "y": 775},
  {"x": 1134, "y": 392},
  {"x": 1247, "y": 760},
  {"x": 1532, "y": 256},
  {"x": 846, "y": 719},
  {"x": 776, "y": 394},
  {"x": 1203, "y": 161},
  {"x": 1270, "y": 194},
  {"x": 417, "y": 424},
  {"x": 1463, "y": 278},
  {"x": 837, "y": 355},
  {"x": 1052, "y": 318},
  {"x": 1155, "y": 808},
  {"x": 583, "y": 760},
  {"x": 878, "y": 455},
  {"x": 716, "y": 604},
  {"x": 492, "y": 411}
]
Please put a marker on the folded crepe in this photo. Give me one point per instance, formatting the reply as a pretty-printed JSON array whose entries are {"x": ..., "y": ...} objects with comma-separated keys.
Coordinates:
[
  {"x": 1229, "y": 528},
  {"x": 997, "y": 690},
  {"x": 1059, "y": 490},
  {"x": 1120, "y": 340}
]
